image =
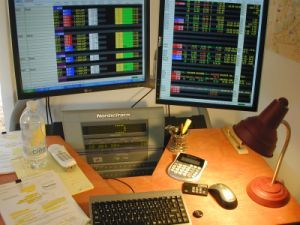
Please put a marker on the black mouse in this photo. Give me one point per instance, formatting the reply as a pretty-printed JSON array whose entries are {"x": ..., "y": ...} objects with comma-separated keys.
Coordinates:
[{"x": 223, "y": 195}]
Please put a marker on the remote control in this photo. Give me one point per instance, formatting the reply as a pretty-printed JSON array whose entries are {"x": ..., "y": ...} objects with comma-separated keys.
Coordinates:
[
  {"x": 195, "y": 189},
  {"x": 61, "y": 156}
]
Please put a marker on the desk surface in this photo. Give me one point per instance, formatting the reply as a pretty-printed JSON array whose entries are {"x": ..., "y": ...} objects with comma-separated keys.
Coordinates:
[{"x": 224, "y": 166}]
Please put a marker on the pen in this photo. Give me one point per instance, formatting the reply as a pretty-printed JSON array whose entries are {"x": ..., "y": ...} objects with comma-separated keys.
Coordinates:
[{"x": 186, "y": 126}]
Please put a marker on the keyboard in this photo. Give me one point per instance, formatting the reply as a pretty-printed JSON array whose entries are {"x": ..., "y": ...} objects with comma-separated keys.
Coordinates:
[{"x": 148, "y": 208}]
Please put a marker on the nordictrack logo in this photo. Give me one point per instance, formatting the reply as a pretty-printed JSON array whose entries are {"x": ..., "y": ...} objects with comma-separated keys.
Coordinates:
[{"x": 112, "y": 115}]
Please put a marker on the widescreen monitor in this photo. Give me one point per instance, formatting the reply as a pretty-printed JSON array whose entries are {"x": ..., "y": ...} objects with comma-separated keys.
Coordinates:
[
  {"x": 210, "y": 53},
  {"x": 65, "y": 47}
]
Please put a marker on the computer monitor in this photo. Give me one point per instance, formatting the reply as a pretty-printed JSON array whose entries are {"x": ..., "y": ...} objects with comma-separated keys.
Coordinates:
[
  {"x": 65, "y": 47},
  {"x": 210, "y": 53}
]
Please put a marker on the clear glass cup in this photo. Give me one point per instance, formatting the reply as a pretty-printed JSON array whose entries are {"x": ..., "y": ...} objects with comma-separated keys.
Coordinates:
[{"x": 178, "y": 142}]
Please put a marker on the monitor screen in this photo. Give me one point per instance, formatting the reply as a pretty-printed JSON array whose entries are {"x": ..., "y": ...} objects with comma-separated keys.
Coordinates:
[
  {"x": 210, "y": 53},
  {"x": 64, "y": 47}
]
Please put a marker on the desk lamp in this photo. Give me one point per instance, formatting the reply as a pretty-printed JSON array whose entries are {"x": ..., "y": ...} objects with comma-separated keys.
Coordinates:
[{"x": 260, "y": 134}]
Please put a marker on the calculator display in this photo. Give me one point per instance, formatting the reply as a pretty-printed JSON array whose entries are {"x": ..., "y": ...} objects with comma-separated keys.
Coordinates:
[{"x": 188, "y": 159}]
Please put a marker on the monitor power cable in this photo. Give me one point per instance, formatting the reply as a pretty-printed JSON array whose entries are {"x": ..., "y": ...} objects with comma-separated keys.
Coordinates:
[
  {"x": 141, "y": 98},
  {"x": 48, "y": 110}
]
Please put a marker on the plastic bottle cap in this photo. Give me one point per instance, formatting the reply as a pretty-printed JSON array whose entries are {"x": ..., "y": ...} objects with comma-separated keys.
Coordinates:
[{"x": 32, "y": 105}]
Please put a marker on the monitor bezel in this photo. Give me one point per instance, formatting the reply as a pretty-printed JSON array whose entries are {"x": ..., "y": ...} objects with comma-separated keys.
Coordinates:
[
  {"x": 21, "y": 94},
  {"x": 254, "y": 106}
]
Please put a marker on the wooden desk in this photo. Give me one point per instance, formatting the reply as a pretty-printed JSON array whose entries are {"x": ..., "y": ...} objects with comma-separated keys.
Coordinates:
[{"x": 224, "y": 166}]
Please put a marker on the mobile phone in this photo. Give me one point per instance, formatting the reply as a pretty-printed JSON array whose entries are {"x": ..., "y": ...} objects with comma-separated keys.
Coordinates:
[{"x": 62, "y": 156}]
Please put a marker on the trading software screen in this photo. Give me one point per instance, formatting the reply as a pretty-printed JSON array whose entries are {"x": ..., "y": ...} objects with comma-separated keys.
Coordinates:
[
  {"x": 210, "y": 52},
  {"x": 63, "y": 47}
]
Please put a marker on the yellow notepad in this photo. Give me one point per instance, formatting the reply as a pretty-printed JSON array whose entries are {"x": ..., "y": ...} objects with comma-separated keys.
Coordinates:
[{"x": 74, "y": 179}]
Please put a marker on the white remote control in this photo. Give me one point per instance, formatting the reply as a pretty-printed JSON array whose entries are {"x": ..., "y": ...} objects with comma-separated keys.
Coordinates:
[{"x": 61, "y": 156}]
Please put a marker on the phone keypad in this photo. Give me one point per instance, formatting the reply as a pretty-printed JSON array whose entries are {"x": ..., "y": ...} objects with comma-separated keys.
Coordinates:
[{"x": 63, "y": 156}]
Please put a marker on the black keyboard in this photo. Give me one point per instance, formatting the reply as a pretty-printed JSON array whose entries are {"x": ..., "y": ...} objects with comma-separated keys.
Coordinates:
[{"x": 148, "y": 208}]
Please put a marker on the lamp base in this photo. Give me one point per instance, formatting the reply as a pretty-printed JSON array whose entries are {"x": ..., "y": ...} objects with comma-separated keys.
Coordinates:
[{"x": 262, "y": 191}]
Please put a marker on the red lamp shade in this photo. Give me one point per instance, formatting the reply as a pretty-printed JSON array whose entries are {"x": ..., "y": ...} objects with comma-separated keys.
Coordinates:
[{"x": 260, "y": 134}]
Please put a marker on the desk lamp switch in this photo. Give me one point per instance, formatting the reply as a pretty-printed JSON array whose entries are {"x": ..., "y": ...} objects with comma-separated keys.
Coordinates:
[{"x": 195, "y": 189}]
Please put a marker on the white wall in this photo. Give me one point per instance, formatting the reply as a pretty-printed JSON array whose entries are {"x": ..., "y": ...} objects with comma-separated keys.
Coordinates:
[
  {"x": 6, "y": 65},
  {"x": 280, "y": 78}
]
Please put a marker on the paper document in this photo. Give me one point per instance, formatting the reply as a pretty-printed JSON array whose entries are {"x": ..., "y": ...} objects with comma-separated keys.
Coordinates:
[
  {"x": 10, "y": 148},
  {"x": 74, "y": 179},
  {"x": 40, "y": 199}
]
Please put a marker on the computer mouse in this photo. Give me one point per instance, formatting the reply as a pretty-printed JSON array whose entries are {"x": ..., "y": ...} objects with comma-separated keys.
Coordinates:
[{"x": 223, "y": 195}]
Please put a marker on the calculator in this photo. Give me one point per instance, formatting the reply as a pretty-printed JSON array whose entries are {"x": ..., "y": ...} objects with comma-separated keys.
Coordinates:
[{"x": 187, "y": 168}]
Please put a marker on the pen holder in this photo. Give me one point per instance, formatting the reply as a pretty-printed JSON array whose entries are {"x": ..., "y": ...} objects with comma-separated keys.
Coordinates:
[{"x": 178, "y": 142}]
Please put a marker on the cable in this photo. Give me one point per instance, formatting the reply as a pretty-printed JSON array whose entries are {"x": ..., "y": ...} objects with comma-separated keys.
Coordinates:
[
  {"x": 116, "y": 179},
  {"x": 49, "y": 109},
  {"x": 141, "y": 98},
  {"x": 46, "y": 109},
  {"x": 169, "y": 111}
]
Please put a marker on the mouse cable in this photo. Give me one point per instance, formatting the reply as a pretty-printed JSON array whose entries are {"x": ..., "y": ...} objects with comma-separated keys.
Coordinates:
[{"x": 116, "y": 179}]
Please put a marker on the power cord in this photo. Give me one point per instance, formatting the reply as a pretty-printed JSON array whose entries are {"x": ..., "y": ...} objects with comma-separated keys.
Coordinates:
[
  {"x": 116, "y": 179},
  {"x": 169, "y": 111},
  {"x": 48, "y": 110},
  {"x": 141, "y": 98}
]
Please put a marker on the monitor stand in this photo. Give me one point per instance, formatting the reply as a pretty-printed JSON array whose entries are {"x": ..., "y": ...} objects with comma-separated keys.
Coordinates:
[
  {"x": 198, "y": 121},
  {"x": 16, "y": 114}
]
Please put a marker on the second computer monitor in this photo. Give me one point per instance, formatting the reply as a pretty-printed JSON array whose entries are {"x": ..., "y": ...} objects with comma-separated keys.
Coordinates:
[{"x": 210, "y": 53}]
